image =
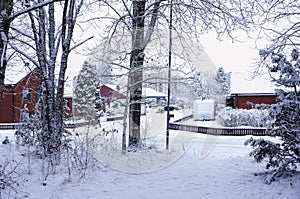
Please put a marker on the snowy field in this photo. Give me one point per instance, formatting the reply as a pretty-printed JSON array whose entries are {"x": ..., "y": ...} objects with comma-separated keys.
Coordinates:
[{"x": 187, "y": 170}]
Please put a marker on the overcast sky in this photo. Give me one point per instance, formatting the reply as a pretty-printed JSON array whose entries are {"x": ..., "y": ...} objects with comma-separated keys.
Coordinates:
[{"x": 232, "y": 56}]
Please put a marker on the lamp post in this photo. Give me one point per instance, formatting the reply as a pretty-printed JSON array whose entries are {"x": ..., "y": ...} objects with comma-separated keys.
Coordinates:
[{"x": 169, "y": 76}]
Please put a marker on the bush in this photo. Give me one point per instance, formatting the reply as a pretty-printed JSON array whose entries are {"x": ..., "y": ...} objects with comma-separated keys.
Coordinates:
[{"x": 242, "y": 117}]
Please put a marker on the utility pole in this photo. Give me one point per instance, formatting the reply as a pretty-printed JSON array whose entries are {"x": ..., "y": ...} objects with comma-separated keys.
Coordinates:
[{"x": 169, "y": 75}]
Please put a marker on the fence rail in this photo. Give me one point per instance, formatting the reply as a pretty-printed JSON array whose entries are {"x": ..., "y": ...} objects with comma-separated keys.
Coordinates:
[
  {"x": 220, "y": 131},
  {"x": 9, "y": 126},
  {"x": 173, "y": 126},
  {"x": 66, "y": 125}
]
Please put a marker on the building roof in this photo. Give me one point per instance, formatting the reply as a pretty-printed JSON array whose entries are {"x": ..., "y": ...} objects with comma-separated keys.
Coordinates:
[
  {"x": 241, "y": 82},
  {"x": 149, "y": 92}
]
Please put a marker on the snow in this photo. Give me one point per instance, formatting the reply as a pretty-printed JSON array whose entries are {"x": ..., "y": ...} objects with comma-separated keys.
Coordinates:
[
  {"x": 195, "y": 166},
  {"x": 242, "y": 82},
  {"x": 226, "y": 171},
  {"x": 149, "y": 92},
  {"x": 13, "y": 76}
]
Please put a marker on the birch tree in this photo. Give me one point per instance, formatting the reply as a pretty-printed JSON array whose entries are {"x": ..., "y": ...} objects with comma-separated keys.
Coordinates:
[
  {"x": 144, "y": 17},
  {"x": 49, "y": 35},
  {"x": 9, "y": 11}
]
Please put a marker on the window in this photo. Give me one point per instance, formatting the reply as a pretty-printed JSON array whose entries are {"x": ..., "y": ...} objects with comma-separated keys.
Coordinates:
[{"x": 26, "y": 95}]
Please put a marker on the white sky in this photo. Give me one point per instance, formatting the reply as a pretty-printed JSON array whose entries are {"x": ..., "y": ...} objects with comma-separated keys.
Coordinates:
[{"x": 232, "y": 56}]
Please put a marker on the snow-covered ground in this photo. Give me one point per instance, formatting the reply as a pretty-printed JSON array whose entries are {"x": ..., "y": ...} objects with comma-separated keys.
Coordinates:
[{"x": 185, "y": 171}]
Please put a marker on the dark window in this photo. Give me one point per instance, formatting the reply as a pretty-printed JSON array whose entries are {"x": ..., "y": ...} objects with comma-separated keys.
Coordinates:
[
  {"x": 230, "y": 101},
  {"x": 26, "y": 95}
]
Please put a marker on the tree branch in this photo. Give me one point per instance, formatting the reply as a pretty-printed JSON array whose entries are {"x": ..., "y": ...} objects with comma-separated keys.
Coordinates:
[{"x": 38, "y": 5}]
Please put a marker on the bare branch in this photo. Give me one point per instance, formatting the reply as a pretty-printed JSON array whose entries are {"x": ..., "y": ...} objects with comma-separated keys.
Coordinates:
[
  {"x": 80, "y": 43},
  {"x": 35, "y": 6}
]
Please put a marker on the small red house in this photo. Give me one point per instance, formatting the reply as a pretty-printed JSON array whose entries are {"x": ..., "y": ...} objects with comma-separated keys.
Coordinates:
[
  {"x": 246, "y": 100},
  {"x": 110, "y": 93},
  {"x": 16, "y": 96},
  {"x": 24, "y": 93},
  {"x": 246, "y": 91}
]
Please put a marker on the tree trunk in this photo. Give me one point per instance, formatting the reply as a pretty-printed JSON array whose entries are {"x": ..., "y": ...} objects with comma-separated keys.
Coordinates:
[
  {"x": 136, "y": 73},
  {"x": 6, "y": 7},
  {"x": 44, "y": 30}
]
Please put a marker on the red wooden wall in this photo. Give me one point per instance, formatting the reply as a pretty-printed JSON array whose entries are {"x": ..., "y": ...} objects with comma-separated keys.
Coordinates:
[
  {"x": 13, "y": 101},
  {"x": 242, "y": 100}
]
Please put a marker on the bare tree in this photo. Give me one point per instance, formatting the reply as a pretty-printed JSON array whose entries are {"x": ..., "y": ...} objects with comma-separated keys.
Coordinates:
[
  {"x": 49, "y": 36},
  {"x": 5, "y": 12},
  {"x": 7, "y": 15},
  {"x": 144, "y": 17},
  {"x": 278, "y": 25}
]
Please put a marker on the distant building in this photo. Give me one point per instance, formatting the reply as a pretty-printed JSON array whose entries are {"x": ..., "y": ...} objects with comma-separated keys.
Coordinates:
[
  {"x": 110, "y": 93},
  {"x": 153, "y": 97},
  {"x": 245, "y": 91},
  {"x": 249, "y": 100}
]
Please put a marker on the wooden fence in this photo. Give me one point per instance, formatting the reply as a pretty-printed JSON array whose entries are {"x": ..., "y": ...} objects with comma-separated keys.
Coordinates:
[
  {"x": 9, "y": 126},
  {"x": 233, "y": 131},
  {"x": 66, "y": 125},
  {"x": 220, "y": 131}
]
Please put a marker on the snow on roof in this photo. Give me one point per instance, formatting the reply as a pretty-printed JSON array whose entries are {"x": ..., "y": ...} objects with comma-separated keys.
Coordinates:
[
  {"x": 112, "y": 86},
  {"x": 241, "y": 82},
  {"x": 13, "y": 76},
  {"x": 149, "y": 92},
  {"x": 68, "y": 91}
]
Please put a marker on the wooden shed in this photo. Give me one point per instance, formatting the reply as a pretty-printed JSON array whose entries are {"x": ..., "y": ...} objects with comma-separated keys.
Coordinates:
[{"x": 111, "y": 92}]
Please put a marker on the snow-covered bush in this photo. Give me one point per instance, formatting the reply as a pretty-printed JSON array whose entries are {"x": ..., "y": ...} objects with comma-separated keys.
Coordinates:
[
  {"x": 283, "y": 121},
  {"x": 29, "y": 128},
  {"x": 242, "y": 117},
  {"x": 8, "y": 176}
]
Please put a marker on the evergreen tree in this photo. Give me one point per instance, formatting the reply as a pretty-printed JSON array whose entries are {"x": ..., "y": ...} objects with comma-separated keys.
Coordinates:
[
  {"x": 203, "y": 85},
  {"x": 85, "y": 89},
  {"x": 222, "y": 87},
  {"x": 99, "y": 102},
  {"x": 284, "y": 117}
]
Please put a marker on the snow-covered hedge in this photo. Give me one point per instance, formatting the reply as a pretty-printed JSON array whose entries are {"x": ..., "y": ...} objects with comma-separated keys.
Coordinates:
[{"x": 241, "y": 117}]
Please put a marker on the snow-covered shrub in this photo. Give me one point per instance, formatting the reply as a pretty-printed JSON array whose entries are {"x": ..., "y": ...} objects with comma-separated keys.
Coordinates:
[
  {"x": 8, "y": 176},
  {"x": 242, "y": 117},
  {"x": 29, "y": 127},
  {"x": 283, "y": 121}
]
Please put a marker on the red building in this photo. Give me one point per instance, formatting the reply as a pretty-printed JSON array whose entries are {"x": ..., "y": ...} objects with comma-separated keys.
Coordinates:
[
  {"x": 110, "y": 93},
  {"x": 247, "y": 91},
  {"x": 24, "y": 93},
  {"x": 247, "y": 100},
  {"x": 17, "y": 96}
]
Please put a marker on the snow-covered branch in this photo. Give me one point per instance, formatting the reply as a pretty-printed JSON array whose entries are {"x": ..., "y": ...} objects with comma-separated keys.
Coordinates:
[{"x": 30, "y": 8}]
